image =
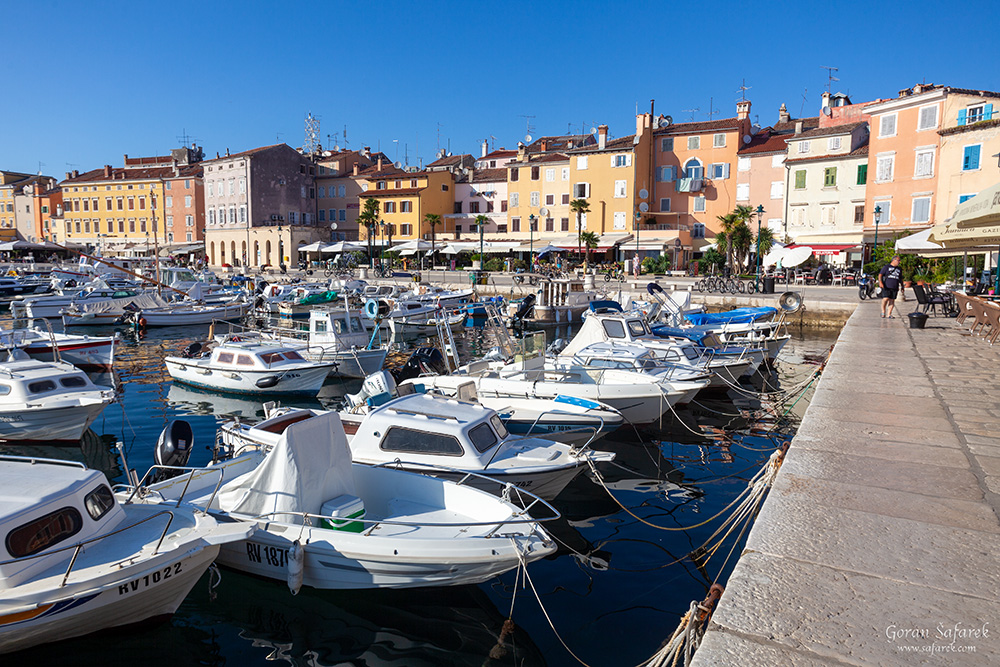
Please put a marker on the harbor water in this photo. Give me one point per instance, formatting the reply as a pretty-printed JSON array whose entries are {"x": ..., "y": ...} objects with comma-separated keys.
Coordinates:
[{"x": 615, "y": 590}]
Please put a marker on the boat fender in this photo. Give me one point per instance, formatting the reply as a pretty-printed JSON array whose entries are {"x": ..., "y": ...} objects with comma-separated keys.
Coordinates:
[
  {"x": 296, "y": 564},
  {"x": 267, "y": 382},
  {"x": 141, "y": 323}
]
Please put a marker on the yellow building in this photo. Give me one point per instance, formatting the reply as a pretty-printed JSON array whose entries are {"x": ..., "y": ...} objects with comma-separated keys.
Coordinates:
[
  {"x": 406, "y": 198},
  {"x": 538, "y": 185}
]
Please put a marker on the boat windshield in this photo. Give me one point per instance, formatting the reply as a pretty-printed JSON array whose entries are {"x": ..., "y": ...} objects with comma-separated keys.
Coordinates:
[
  {"x": 637, "y": 327},
  {"x": 499, "y": 426},
  {"x": 614, "y": 329},
  {"x": 398, "y": 439},
  {"x": 44, "y": 532},
  {"x": 73, "y": 381},
  {"x": 482, "y": 437}
]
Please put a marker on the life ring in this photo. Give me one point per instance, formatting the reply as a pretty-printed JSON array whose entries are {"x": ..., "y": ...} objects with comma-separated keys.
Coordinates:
[
  {"x": 371, "y": 309},
  {"x": 235, "y": 339}
]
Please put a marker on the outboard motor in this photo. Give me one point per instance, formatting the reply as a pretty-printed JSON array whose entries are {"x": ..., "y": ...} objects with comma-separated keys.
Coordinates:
[
  {"x": 423, "y": 361},
  {"x": 173, "y": 448},
  {"x": 526, "y": 307},
  {"x": 556, "y": 346},
  {"x": 193, "y": 350},
  {"x": 376, "y": 384}
]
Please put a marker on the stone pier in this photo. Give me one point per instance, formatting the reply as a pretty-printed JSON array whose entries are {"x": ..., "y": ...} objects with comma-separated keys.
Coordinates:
[{"x": 879, "y": 543}]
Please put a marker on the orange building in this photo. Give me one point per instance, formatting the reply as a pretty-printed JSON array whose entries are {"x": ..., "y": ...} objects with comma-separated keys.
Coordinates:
[
  {"x": 405, "y": 198},
  {"x": 337, "y": 190}
]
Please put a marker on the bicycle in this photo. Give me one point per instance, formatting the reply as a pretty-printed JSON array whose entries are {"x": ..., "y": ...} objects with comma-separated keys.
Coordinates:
[{"x": 614, "y": 274}]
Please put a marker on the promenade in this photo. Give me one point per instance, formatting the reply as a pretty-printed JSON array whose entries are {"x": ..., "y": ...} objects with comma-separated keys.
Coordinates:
[{"x": 879, "y": 543}]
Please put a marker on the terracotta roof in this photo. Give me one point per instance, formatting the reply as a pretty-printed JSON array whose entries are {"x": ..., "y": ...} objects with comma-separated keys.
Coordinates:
[
  {"x": 981, "y": 125},
  {"x": 449, "y": 160},
  {"x": 121, "y": 175},
  {"x": 154, "y": 160},
  {"x": 489, "y": 175},
  {"x": 562, "y": 142},
  {"x": 969, "y": 91},
  {"x": 622, "y": 143},
  {"x": 252, "y": 151},
  {"x": 860, "y": 151},
  {"x": 827, "y": 131},
  {"x": 387, "y": 171},
  {"x": 700, "y": 126},
  {"x": 397, "y": 192},
  {"x": 500, "y": 152},
  {"x": 765, "y": 142},
  {"x": 782, "y": 127}
]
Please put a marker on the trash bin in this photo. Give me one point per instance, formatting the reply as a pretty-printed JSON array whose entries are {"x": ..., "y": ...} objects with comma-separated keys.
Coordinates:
[
  {"x": 917, "y": 320},
  {"x": 768, "y": 285}
]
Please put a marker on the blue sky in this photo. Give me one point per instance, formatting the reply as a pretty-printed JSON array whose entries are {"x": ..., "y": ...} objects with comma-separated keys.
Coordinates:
[{"x": 89, "y": 81}]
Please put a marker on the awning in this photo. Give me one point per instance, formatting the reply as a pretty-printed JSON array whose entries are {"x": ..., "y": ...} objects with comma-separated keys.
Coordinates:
[
  {"x": 657, "y": 241},
  {"x": 827, "y": 248},
  {"x": 604, "y": 243}
]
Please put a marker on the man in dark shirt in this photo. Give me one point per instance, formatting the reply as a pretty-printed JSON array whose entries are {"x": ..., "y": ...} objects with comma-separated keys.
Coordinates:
[{"x": 889, "y": 279}]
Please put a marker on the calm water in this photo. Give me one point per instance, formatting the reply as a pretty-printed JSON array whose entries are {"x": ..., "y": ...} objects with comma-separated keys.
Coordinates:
[{"x": 613, "y": 591}]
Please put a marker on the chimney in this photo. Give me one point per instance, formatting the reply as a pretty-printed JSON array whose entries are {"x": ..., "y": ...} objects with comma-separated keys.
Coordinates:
[
  {"x": 543, "y": 145},
  {"x": 380, "y": 162},
  {"x": 783, "y": 115},
  {"x": 485, "y": 148},
  {"x": 125, "y": 160},
  {"x": 798, "y": 127},
  {"x": 357, "y": 168},
  {"x": 68, "y": 175},
  {"x": 177, "y": 170},
  {"x": 76, "y": 173},
  {"x": 367, "y": 151},
  {"x": 227, "y": 151},
  {"x": 522, "y": 151},
  {"x": 743, "y": 110},
  {"x": 107, "y": 171},
  {"x": 602, "y": 136}
]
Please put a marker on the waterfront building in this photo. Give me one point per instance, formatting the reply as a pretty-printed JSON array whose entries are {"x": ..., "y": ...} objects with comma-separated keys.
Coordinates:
[
  {"x": 47, "y": 208},
  {"x": 539, "y": 190},
  {"x": 969, "y": 145},
  {"x": 337, "y": 191},
  {"x": 405, "y": 198},
  {"x": 17, "y": 207},
  {"x": 480, "y": 191},
  {"x": 260, "y": 206}
]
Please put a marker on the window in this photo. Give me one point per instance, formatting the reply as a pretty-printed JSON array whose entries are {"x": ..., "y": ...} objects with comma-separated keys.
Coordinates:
[
  {"x": 407, "y": 207},
  {"x": 503, "y": 206},
  {"x": 41, "y": 386},
  {"x": 44, "y": 532},
  {"x": 614, "y": 328},
  {"x": 169, "y": 203},
  {"x": 220, "y": 184},
  {"x": 550, "y": 175},
  {"x": 189, "y": 219},
  {"x": 232, "y": 215},
  {"x": 514, "y": 174},
  {"x": 142, "y": 225},
  {"x": 581, "y": 162},
  {"x": 743, "y": 192},
  {"x": 777, "y": 189},
  {"x": 489, "y": 207},
  {"x": 887, "y": 125},
  {"x": 621, "y": 160},
  {"x": 515, "y": 224},
  {"x": 885, "y": 211},
  {"x": 666, "y": 144},
  {"x": 883, "y": 168},
  {"x": 99, "y": 502},
  {"x": 121, "y": 203},
  {"x": 862, "y": 174},
  {"x": 534, "y": 173},
  {"x": 694, "y": 143},
  {"x": 107, "y": 205},
  {"x": 964, "y": 198},
  {"x": 565, "y": 173},
  {"x": 406, "y": 229},
  {"x": 621, "y": 189},
  {"x": 974, "y": 114},
  {"x": 800, "y": 179},
  {"x": 833, "y": 144},
  {"x": 859, "y": 214},
  {"x": 970, "y": 158},
  {"x": 457, "y": 208},
  {"x": 743, "y": 164},
  {"x": 699, "y": 204},
  {"x": 804, "y": 146},
  {"x": 665, "y": 205},
  {"x": 719, "y": 170},
  {"x": 550, "y": 224},
  {"x": 444, "y": 187},
  {"x": 564, "y": 224},
  {"x": 397, "y": 184},
  {"x": 928, "y": 118},
  {"x": 398, "y": 439},
  {"x": 921, "y": 209},
  {"x": 534, "y": 199},
  {"x": 321, "y": 215},
  {"x": 211, "y": 216},
  {"x": 131, "y": 225},
  {"x": 342, "y": 189},
  {"x": 187, "y": 201},
  {"x": 381, "y": 185},
  {"x": 188, "y": 237},
  {"x": 565, "y": 199},
  {"x": 698, "y": 230},
  {"x": 666, "y": 174},
  {"x": 719, "y": 140},
  {"x": 293, "y": 217},
  {"x": 581, "y": 190},
  {"x": 390, "y": 206},
  {"x": 514, "y": 199},
  {"x": 620, "y": 220},
  {"x": 550, "y": 200},
  {"x": 243, "y": 185},
  {"x": 828, "y": 215},
  {"x": 925, "y": 164},
  {"x": 693, "y": 169},
  {"x": 830, "y": 177},
  {"x": 482, "y": 437}
]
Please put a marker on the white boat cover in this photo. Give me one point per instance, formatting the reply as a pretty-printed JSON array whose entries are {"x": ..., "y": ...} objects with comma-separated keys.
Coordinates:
[
  {"x": 310, "y": 464},
  {"x": 141, "y": 301}
]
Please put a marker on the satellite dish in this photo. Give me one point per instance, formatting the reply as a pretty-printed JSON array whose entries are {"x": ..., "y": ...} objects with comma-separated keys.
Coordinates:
[
  {"x": 668, "y": 120},
  {"x": 336, "y": 148},
  {"x": 543, "y": 211},
  {"x": 333, "y": 225},
  {"x": 593, "y": 130},
  {"x": 827, "y": 111},
  {"x": 643, "y": 194},
  {"x": 643, "y": 207},
  {"x": 397, "y": 164},
  {"x": 527, "y": 138},
  {"x": 747, "y": 138}
]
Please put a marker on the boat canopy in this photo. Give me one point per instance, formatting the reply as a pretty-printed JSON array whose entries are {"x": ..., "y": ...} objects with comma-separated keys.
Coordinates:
[{"x": 140, "y": 301}]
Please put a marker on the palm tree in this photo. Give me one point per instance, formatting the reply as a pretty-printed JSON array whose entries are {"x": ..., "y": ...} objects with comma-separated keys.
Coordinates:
[
  {"x": 590, "y": 240},
  {"x": 580, "y": 207},
  {"x": 369, "y": 219},
  {"x": 765, "y": 239},
  {"x": 740, "y": 240},
  {"x": 432, "y": 219},
  {"x": 723, "y": 240},
  {"x": 481, "y": 221}
]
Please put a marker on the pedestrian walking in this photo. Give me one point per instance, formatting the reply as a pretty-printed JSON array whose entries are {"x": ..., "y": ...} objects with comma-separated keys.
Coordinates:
[{"x": 889, "y": 279}]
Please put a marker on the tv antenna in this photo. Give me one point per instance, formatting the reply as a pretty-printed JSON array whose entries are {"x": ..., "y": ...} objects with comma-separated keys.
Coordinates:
[
  {"x": 711, "y": 108},
  {"x": 493, "y": 143},
  {"x": 830, "y": 77},
  {"x": 692, "y": 111},
  {"x": 743, "y": 91},
  {"x": 345, "y": 137},
  {"x": 311, "y": 143},
  {"x": 528, "y": 127},
  {"x": 185, "y": 139},
  {"x": 439, "y": 126},
  {"x": 804, "y": 100}
]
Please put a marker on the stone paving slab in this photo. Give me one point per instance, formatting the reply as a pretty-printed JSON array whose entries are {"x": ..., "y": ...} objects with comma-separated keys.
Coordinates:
[{"x": 881, "y": 533}]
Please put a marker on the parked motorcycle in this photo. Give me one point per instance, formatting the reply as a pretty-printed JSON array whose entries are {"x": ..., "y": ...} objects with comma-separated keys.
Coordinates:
[{"x": 866, "y": 286}]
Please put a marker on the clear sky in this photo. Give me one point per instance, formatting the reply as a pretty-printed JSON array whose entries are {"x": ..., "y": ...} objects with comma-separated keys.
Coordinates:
[{"x": 85, "y": 82}]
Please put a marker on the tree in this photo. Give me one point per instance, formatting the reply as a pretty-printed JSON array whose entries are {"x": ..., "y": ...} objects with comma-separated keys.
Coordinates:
[
  {"x": 432, "y": 219},
  {"x": 580, "y": 207},
  {"x": 589, "y": 240},
  {"x": 765, "y": 239},
  {"x": 369, "y": 219},
  {"x": 481, "y": 221}
]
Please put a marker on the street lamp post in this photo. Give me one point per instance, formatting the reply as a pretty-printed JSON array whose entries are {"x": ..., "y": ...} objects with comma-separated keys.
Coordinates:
[
  {"x": 637, "y": 269},
  {"x": 388, "y": 233},
  {"x": 878, "y": 218},
  {"x": 281, "y": 252},
  {"x": 381, "y": 251},
  {"x": 531, "y": 236},
  {"x": 760, "y": 214}
]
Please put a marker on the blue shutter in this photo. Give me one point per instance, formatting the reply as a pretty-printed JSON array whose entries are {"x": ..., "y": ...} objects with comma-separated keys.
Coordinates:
[
  {"x": 725, "y": 170},
  {"x": 974, "y": 157},
  {"x": 988, "y": 112},
  {"x": 961, "y": 117}
]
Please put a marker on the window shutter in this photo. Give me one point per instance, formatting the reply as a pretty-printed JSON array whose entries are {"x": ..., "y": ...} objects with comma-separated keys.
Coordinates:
[
  {"x": 974, "y": 157},
  {"x": 988, "y": 112},
  {"x": 628, "y": 159},
  {"x": 725, "y": 170},
  {"x": 961, "y": 117}
]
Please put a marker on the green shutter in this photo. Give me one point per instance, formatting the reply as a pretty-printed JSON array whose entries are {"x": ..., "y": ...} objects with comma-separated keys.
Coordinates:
[
  {"x": 862, "y": 174},
  {"x": 830, "y": 177},
  {"x": 800, "y": 179}
]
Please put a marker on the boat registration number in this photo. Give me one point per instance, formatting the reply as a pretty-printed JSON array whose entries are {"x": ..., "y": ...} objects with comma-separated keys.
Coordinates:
[
  {"x": 149, "y": 579},
  {"x": 261, "y": 553}
]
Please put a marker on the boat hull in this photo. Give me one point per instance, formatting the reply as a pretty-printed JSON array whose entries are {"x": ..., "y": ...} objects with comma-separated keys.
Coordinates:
[
  {"x": 55, "y": 424},
  {"x": 298, "y": 382},
  {"x": 95, "y": 354},
  {"x": 350, "y": 363}
]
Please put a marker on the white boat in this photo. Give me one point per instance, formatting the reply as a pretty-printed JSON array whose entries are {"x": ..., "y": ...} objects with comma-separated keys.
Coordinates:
[
  {"x": 48, "y": 401},
  {"x": 110, "y": 311},
  {"x": 187, "y": 313},
  {"x": 418, "y": 317},
  {"x": 447, "y": 298},
  {"x": 336, "y": 335},
  {"x": 52, "y": 305},
  {"x": 262, "y": 368},
  {"x": 638, "y": 358},
  {"x": 74, "y": 560},
  {"x": 92, "y": 353},
  {"x": 325, "y": 522}
]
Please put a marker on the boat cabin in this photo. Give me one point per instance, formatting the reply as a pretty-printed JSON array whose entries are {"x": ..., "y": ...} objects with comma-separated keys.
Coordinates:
[
  {"x": 48, "y": 505},
  {"x": 620, "y": 328},
  {"x": 254, "y": 355},
  {"x": 27, "y": 380},
  {"x": 423, "y": 428},
  {"x": 337, "y": 325}
]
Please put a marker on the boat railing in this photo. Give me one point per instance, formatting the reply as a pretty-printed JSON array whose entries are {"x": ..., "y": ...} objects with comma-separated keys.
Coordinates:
[
  {"x": 78, "y": 547},
  {"x": 36, "y": 459},
  {"x": 593, "y": 430},
  {"x": 143, "y": 489}
]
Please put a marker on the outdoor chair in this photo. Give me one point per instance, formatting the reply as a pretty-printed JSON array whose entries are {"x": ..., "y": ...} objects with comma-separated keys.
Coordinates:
[
  {"x": 978, "y": 307},
  {"x": 931, "y": 301},
  {"x": 838, "y": 278},
  {"x": 964, "y": 307},
  {"x": 992, "y": 312},
  {"x": 800, "y": 278}
]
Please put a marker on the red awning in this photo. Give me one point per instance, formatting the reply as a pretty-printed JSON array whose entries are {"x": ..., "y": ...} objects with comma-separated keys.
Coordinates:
[
  {"x": 574, "y": 248},
  {"x": 826, "y": 248}
]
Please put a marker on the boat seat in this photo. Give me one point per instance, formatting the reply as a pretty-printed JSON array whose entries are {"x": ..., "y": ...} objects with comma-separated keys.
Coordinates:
[
  {"x": 466, "y": 391},
  {"x": 379, "y": 399}
]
